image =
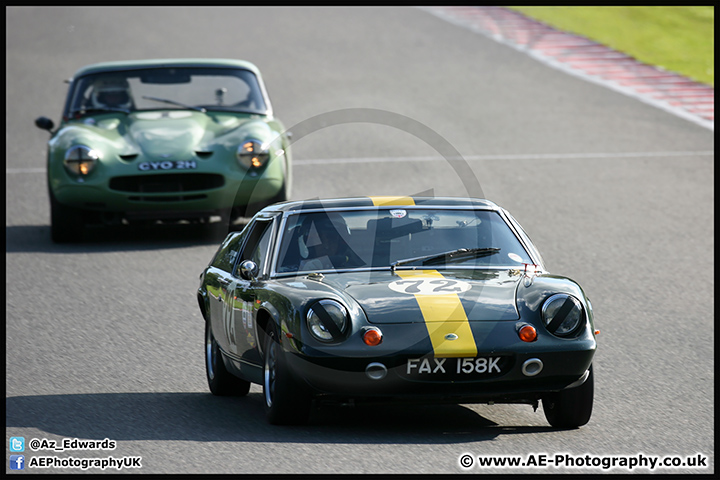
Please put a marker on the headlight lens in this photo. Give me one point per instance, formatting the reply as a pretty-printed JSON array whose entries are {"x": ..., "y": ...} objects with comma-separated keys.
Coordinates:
[
  {"x": 562, "y": 314},
  {"x": 252, "y": 154},
  {"x": 327, "y": 320},
  {"x": 81, "y": 160}
]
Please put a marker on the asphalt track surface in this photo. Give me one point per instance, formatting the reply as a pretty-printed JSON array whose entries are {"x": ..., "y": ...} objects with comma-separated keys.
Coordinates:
[{"x": 104, "y": 339}]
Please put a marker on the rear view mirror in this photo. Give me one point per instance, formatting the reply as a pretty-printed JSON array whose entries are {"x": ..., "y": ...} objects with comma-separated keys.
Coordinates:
[
  {"x": 44, "y": 123},
  {"x": 249, "y": 270}
]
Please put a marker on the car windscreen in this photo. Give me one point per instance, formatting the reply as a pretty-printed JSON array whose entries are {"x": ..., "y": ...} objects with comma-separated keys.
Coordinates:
[
  {"x": 214, "y": 89},
  {"x": 340, "y": 240}
]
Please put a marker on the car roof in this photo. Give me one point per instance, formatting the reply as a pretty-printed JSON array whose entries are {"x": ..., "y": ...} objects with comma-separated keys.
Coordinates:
[
  {"x": 381, "y": 202},
  {"x": 166, "y": 62}
]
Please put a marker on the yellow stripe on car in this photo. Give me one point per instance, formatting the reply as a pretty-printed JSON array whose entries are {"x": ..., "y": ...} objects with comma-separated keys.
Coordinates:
[
  {"x": 445, "y": 319},
  {"x": 392, "y": 201}
]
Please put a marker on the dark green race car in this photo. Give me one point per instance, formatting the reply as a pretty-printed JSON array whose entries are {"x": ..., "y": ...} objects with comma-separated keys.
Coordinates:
[
  {"x": 164, "y": 140},
  {"x": 394, "y": 299}
]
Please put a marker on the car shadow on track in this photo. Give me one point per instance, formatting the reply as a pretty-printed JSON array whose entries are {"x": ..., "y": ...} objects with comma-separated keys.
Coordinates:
[
  {"x": 204, "y": 417},
  {"x": 36, "y": 238}
]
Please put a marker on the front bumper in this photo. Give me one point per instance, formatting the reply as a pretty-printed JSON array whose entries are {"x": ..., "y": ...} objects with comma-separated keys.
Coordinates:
[
  {"x": 178, "y": 194},
  {"x": 332, "y": 377},
  {"x": 518, "y": 372}
]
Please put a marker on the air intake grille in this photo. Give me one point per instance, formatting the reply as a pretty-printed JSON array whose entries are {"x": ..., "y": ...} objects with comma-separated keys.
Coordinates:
[{"x": 167, "y": 183}]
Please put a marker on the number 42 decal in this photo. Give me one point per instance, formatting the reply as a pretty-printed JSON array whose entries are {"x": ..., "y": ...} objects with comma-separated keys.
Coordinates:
[{"x": 429, "y": 286}]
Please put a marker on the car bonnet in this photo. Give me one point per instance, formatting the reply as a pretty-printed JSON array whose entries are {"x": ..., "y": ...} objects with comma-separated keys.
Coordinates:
[
  {"x": 162, "y": 133},
  {"x": 433, "y": 296}
]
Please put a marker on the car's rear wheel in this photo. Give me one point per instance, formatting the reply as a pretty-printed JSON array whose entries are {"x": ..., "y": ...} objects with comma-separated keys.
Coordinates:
[
  {"x": 286, "y": 401},
  {"x": 570, "y": 408},
  {"x": 67, "y": 224},
  {"x": 220, "y": 381}
]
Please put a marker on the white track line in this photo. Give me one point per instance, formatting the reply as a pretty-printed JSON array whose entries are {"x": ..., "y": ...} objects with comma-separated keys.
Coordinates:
[
  {"x": 474, "y": 158},
  {"x": 467, "y": 158}
]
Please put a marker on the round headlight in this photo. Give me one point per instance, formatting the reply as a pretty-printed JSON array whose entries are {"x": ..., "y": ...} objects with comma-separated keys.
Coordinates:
[
  {"x": 80, "y": 160},
  {"x": 562, "y": 314},
  {"x": 327, "y": 320},
  {"x": 252, "y": 154}
]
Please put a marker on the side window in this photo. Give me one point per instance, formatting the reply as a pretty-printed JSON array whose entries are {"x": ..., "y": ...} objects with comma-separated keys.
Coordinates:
[
  {"x": 228, "y": 252},
  {"x": 525, "y": 237},
  {"x": 258, "y": 242}
]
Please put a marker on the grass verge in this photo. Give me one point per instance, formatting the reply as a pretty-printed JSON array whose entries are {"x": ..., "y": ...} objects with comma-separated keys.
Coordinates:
[{"x": 678, "y": 39}]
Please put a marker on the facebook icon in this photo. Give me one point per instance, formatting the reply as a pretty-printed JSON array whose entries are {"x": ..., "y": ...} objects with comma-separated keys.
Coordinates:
[{"x": 17, "y": 462}]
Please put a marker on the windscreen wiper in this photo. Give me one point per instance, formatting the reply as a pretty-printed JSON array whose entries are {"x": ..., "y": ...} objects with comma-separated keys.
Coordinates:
[
  {"x": 86, "y": 110},
  {"x": 173, "y": 102},
  {"x": 451, "y": 256}
]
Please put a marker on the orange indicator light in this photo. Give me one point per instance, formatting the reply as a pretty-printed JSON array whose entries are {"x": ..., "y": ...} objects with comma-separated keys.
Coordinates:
[
  {"x": 372, "y": 337},
  {"x": 527, "y": 333}
]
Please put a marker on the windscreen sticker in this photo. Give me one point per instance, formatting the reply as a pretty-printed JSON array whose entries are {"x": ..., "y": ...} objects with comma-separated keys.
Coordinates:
[
  {"x": 398, "y": 213},
  {"x": 392, "y": 201},
  {"x": 515, "y": 257}
]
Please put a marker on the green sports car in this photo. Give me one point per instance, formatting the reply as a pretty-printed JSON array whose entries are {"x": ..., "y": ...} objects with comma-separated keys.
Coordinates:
[
  {"x": 164, "y": 140},
  {"x": 387, "y": 299}
]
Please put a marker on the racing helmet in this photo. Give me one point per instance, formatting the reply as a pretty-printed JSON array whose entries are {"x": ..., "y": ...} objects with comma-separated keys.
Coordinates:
[
  {"x": 111, "y": 92},
  {"x": 319, "y": 228}
]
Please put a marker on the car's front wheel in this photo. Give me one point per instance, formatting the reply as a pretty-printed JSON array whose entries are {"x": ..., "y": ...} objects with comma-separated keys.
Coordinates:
[
  {"x": 67, "y": 224},
  {"x": 570, "y": 408},
  {"x": 220, "y": 381},
  {"x": 286, "y": 401}
]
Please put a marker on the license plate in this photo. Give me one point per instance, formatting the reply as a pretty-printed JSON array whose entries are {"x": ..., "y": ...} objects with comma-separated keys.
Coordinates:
[
  {"x": 168, "y": 165},
  {"x": 455, "y": 368}
]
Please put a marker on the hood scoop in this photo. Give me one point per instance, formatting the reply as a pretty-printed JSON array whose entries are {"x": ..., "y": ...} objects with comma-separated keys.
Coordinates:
[{"x": 128, "y": 157}]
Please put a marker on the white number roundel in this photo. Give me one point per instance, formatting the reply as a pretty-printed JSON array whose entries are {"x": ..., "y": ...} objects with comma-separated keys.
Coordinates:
[{"x": 429, "y": 286}]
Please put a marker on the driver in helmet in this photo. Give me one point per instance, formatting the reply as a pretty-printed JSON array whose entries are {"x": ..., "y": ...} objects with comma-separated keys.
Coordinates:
[
  {"x": 111, "y": 93},
  {"x": 324, "y": 245}
]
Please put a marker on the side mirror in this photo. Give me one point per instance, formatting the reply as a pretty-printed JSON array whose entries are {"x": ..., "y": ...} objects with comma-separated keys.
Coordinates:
[
  {"x": 44, "y": 123},
  {"x": 249, "y": 270}
]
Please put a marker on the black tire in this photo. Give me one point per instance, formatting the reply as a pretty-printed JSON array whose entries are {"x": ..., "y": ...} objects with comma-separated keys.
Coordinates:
[
  {"x": 570, "y": 408},
  {"x": 67, "y": 224},
  {"x": 220, "y": 381},
  {"x": 286, "y": 401}
]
